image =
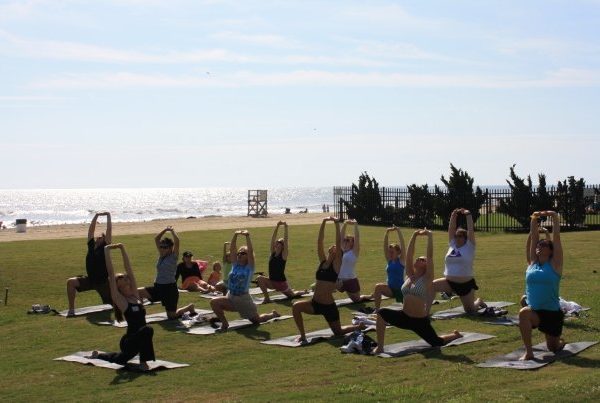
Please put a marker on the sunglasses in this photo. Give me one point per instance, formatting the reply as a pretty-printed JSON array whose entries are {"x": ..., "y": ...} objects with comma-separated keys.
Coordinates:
[
  {"x": 241, "y": 253},
  {"x": 421, "y": 259},
  {"x": 164, "y": 247}
]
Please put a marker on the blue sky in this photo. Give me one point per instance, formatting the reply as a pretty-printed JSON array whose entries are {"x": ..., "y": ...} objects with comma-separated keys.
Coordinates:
[{"x": 148, "y": 93}]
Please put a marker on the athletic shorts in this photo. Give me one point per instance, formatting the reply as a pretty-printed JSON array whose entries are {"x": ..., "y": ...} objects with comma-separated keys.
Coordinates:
[
  {"x": 551, "y": 322},
  {"x": 421, "y": 326},
  {"x": 329, "y": 311},
  {"x": 167, "y": 294},
  {"x": 244, "y": 305},
  {"x": 280, "y": 286},
  {"x": 462, "y": 289},
  {"x": 350, "y": 285},
  {"x": 397, "y": 292},
  {"x": 103, "y": 289}
]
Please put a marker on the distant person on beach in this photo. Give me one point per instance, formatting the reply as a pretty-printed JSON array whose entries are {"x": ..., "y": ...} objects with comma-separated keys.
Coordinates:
[
  {"x": 322, "y": 302},
  {"x": 191, "y": 275},
  {"x": 458, "y": 270},
  {"x": 416, "y": 291},
  {"x": 128, "y": 304},
  {"x": 395, "y": 256},
  {"x": 95, "y": 266},
  {"x": 165, "y": 285},
  {"x": 347, "y": 279},
  {"x": 238, "y": 298},
  {"x": 277, "y": 280},
  {"x": 542, "y": 283}
]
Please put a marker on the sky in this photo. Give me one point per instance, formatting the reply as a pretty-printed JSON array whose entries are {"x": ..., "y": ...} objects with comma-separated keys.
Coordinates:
[{"x": 261, "y": 93}]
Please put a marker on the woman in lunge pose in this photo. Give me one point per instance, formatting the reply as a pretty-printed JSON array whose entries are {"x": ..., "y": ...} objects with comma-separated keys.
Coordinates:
[
  {"x": 542, "y": 281},
  {"x": 416, "y": 290},
  {"x": 322, "y": 302},
  {"x": 395, "y": 256},
  {"x": 127, "y": 302}
]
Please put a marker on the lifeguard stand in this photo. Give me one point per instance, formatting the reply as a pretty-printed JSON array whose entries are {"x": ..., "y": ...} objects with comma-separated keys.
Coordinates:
[{"x": 257, "y": 203}]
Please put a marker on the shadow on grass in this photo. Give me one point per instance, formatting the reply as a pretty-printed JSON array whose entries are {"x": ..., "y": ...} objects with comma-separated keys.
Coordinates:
[
  {"x": 254, "y": 332},
  {"x": 438, "y": 354},
  {"x": 102, "y": 316},
  {"x": 582, "y": 362},
  {"x": 127, "y": 375}
]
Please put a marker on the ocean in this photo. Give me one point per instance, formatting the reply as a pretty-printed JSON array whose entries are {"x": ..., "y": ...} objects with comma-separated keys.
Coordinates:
[{"x": 75, "y": 206}]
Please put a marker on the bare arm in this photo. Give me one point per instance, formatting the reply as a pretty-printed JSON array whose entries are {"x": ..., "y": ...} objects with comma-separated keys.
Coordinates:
[
  {"x": 108, "y": 235},
  {"x": 128, "y": 269},
  {"x": 284, "y": 253},
  {"x": 534, "y": 235},
  {"x": 470, "y": 226},
  {"x": 402, "y": 247},
  {"x": 429, "y": 272},
  {"x": 452, "y": 225},
  {"x": 356, "y": 246},
  {"x": 175, "y": 240},
  {"x": 250, "y": 248},
  {"x": 233, "y": 248},
  {"x": 386, "y": 244},
  {"x": 274, "y": 237},
  {"x": 557, "y": 254},
  {"x": 225, "y": 248},
  {"x": 321, "y": 240},
  {"x": 158, "y": 237},
  {"x": 337, "y": 263},
  {"x": 92, "y": 228},
  {"x": 410, "y": 255},
  {"x": 528, "y": 244},
  {"x": 119, "y": 300}
]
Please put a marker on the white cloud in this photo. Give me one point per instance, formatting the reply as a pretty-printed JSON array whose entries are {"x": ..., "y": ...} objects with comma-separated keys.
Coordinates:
[
  {"x": 268, "y": 40},
  {"x": 565, "y": 77},
  {"x": 547, "y": 46},
  {"x": 391, "y": 14}
]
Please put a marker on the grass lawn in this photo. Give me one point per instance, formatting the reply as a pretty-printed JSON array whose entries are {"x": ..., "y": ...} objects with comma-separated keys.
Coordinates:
[{"x": 234, "y": 366}]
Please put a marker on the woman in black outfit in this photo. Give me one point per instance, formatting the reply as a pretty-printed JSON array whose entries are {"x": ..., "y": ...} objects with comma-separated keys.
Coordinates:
[{"x": 127, "y": 301}]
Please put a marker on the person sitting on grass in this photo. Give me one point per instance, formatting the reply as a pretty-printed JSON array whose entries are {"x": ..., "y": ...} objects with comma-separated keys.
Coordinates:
[
  {"x": 394, "y": 254},
  {"x": 128, "y": 304},
  {"x": 542, "y": 282},
  {"x": 458, "y": 270},
  {"x": 95, "y": 266},
  {"x": 165, "y": 284},
  {"x": 416, "y": 291},
  {"x": 215, "y": 275},
  {"x": 191, "y": 275},
  {"x": 238, "y": 298},
  {"x": 322, "y": 302},
  {"x": 277, "y": 280}
]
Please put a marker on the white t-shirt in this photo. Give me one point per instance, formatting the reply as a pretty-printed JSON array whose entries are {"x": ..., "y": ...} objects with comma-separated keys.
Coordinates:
[
  {"x": 459, "y": 261},
  {"x": 348, "y": 269}
]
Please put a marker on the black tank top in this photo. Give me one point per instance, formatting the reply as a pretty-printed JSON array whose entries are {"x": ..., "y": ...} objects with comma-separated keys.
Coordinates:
[
  {"x": 326, "y": 273},
  {"x": 276, "y": 268},
  {"x": 135, "y": 315}
]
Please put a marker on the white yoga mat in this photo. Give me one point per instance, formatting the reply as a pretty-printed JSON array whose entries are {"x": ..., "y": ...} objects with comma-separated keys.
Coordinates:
[
  {"x": 81, "y": 357},
  {"x": 152, "y": 318},
  {"x": 205, "y": 329},
  {"x": 459, "y": 311},
  {"x": 311, "y": 338},
  {"x": 419, "y": 346}
]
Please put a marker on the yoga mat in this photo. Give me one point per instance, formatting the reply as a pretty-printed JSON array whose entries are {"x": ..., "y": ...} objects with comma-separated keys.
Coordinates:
[
  {"x": 152, "y": 318},
  {"x": 311, "y": 338},
  {"x": 92, "y": 309},
  {"x": 514, "y": 320},
  {"x": 233, "y": 325},
  {"x": 419, "y": 346},
  {"x": 459, "y": 311},
  {"x": 541, "y": 355},
  {"x": 80, "y": 357},
  {"x": 211, "y": 295},
  {"x": 281, "y": 297}
]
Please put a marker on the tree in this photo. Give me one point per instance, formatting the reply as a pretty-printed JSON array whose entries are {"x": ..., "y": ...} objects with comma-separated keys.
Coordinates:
[
  {"x": 459, "y": 193},
  {"x": 570, "y": 201},
  {"x": 419, "y": 210},
  {"x": 365, "y": 202},
  {"x": 523, "y": 200}
]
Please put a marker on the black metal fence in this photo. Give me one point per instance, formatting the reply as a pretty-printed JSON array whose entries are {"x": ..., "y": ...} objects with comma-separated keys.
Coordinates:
[{"x": 490, "y": 218}]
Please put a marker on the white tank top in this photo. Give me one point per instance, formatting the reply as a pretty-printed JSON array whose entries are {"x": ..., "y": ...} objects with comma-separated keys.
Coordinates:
[
  {"x": 348, "y": 269},
  {"x": 459, "y": 261}
]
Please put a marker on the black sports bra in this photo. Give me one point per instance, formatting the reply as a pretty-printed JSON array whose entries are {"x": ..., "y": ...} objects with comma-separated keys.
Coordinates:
[{"x": 326, "y": 273}]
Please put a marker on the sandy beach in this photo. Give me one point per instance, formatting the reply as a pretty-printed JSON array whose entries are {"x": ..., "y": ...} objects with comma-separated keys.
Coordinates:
[{"x": 152, "y": 227}]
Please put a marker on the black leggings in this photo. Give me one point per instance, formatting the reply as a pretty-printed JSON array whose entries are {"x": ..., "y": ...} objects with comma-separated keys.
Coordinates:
[
  {"x": 421, "y": 326},
  {"x": 131, "y": 344}
]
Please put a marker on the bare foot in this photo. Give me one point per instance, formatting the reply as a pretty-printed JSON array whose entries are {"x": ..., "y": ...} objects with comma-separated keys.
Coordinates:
[
  {"x": 223, "y": 328},
  {"x": 378, "y": 350},
  {"x": 144, "y": 366},
  {"x": 301, "y": 340},
  {"x": 266, "y": 301},
  {"x": 526, "y": 357},
  {"x": 275, "y": 314},
  {"x": 457, "y": 334},
  {"x": 94, "y": 355}
]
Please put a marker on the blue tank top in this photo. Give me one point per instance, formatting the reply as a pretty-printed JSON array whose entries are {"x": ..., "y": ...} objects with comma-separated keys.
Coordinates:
[
  {"x": 542, "y": 284},
  {"x": 395, "y": 274}
]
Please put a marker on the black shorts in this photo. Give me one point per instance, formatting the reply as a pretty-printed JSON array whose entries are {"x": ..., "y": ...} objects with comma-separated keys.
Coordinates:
[
  {"x": 329, "y": 311},
  {"x": 103, "y": 289},
  {"x": 462, "y": 289},
  {"x": 167, "y": 294},
  {"x": 551, "y": 322},
  {"x": 421, "y": 326}
]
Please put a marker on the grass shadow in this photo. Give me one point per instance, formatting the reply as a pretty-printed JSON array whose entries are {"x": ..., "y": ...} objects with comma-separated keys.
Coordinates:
[
  {"x": 102, "y": 316},
  {"x": 127, "y": 375},
  {"x": 438, "y": 354},
  {"x": 582, "y": 362}
]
